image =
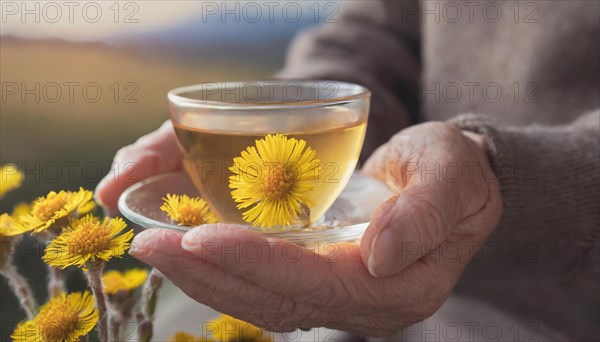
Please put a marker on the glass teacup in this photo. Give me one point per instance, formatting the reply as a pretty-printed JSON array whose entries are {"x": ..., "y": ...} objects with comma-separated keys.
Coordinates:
[{"x": 272, "y": 154}]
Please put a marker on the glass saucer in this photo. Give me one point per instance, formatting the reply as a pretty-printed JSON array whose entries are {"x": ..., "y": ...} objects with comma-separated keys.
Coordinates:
[{"x": 346, "y": 220}]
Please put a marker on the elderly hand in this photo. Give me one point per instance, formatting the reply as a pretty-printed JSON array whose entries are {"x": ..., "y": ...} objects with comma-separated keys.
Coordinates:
[
  {"x": 150, "y": 155},
  {"x": 447, "y": 202}
]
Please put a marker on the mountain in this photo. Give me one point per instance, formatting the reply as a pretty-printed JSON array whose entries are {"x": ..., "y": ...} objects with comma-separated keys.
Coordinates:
[{"x": 263, "y": 42}]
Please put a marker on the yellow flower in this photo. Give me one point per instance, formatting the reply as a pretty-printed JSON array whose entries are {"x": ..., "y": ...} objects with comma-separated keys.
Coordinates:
[
  {"x": 185, "y": 337},
  {"x": 275, "y": 180},
  {"x": 10, "y": 234},
  {"x": 228, "y": 329},
  {"x": 115, "y": 281},
  {"x": 88, "y": 240},
  {"x": 65, "y": 318},
  {"x": 11, "y": 231},
  {"x": 188, "y": 211},
  {"x": 10, "y": 178},
  {"x": 21, "y": 209},
  {"x": 57, "y": 208},
  {"x": 8, "y": 226},
  {"x": 182, "y": 337}
]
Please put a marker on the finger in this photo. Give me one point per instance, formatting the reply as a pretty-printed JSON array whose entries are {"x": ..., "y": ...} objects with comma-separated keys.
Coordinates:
[
  {"x": 276, "y": 265},
  {"x": 344, "y": 292},
  {"x": 407, "y": 227},
  {"x": 265, "y": 261},
  {"x": 216, "y": 288},
  {"x": 161, "y": 248},
  {"x": 375, "y": 166},
  {"x": 389, "y": 166},
  {"x": 346, "y": 295},
  {"x": 152, "y": 154}
]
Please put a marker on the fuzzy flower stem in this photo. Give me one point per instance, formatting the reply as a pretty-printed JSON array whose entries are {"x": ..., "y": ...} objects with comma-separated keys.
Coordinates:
[
  {"x": 20, "y": 288},
  {"x": 93, "y": 275},
  {"x": 149, "y": 298},
  {"x": 115, "y": 330},
  {"x": 120, "y": 306},
  {"x": 56, "y": 282}
]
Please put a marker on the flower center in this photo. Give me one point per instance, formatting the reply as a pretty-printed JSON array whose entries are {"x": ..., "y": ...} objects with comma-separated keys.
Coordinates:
[
  {"x": 277, "y": 182},
  {"x": 57, "y": 321},
  {"x": 46, "y": 208},
  {"x": 190, "y": 216},
  {"x": 89, "y": 238}
]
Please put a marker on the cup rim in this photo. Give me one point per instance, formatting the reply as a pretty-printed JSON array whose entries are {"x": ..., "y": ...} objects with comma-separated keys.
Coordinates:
[{"x": 174, "y": 97}]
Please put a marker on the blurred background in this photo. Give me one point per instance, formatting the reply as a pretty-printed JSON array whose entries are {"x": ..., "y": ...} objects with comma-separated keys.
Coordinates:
[{"x": 80, "y": 79}]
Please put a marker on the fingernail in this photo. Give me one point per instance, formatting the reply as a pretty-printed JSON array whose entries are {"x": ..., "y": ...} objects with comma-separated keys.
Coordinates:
[
  {"x": 138, "y": 247},
  {"x": 207, "y": 230},
  {"x": 381, "y": 218},
  {"x": 196, "y": 236},
  {"x": 201, "y": 234},
  {"x": 383, "y": 249},
  {"x": 145, "y": 243},
  {"x": 371, "y": 261}
]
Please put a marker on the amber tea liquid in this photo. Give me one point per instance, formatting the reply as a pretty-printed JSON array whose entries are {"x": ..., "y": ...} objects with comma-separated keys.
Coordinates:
[{"x": 210, "y": 143}]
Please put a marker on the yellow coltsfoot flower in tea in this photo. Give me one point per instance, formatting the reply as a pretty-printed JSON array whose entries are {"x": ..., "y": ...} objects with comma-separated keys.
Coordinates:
[
  {"x": 10, "y": 178},
  {"x": 228, "y": 329},
  {"x": 115, "y": 281},
  {"x": 56, "y": 208},
  {"x": 274, "y": 181},
  {"x": 65, "y": 318},
  {"x": 188, "y": 211},
  {"x": 88, "y": 240}
]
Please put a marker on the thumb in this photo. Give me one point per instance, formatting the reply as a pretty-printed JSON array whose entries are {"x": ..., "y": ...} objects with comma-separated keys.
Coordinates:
[
  {"x": 152, "y": 154},
  {"x": 376, "y": 165},
  {"x": 405, "y": 228}
]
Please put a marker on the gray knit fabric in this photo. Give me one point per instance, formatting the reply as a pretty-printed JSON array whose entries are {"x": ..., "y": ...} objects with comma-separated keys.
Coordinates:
[{"x": 527, "y": 77}]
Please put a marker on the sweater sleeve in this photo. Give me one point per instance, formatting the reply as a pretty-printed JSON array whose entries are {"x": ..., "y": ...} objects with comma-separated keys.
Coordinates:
[
  {"x": 543, "y": 258},
  {"x": 371, "y": 43}
]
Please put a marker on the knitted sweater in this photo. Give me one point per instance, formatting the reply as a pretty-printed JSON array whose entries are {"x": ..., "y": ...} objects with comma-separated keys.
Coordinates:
[{"x": 525, "y": 75}]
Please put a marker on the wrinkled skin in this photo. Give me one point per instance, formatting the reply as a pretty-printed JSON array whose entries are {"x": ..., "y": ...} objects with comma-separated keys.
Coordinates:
[{"x": 406, "y": 265}]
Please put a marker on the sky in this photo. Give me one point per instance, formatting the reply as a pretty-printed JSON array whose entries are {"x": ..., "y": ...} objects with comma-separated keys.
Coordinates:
[
  {"x": 91, "y": 20},
  {"x": 105, "y": 19}
]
